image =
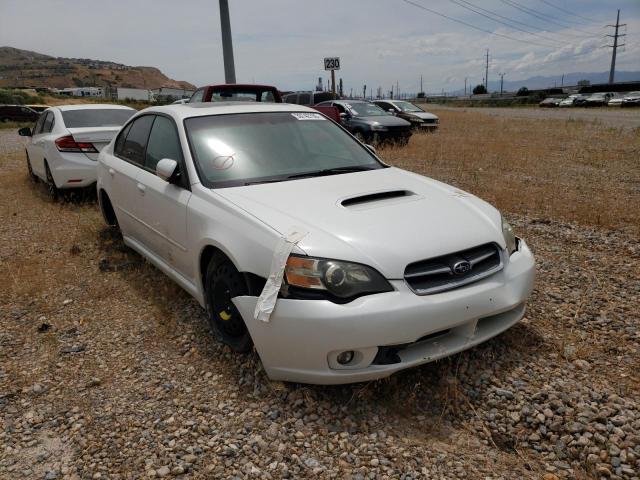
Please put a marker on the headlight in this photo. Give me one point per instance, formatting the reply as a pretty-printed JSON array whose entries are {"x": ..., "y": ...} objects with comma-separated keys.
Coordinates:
[
  {"x": 509, "y": 237},
  {"x": 415, "y": 120},
  {"x": 378, "y": 127},
  {"x": 340, "y": 279}
]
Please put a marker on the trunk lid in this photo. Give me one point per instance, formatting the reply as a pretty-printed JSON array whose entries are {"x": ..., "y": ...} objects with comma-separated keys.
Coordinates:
[{"x": 98, "y": 136}]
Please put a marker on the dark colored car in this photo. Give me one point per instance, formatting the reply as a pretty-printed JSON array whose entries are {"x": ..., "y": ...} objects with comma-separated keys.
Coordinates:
[
  {"x": 369, "y": 123},
  {"x": 598, "y": 99},
  {"x": 419, "y": 119},
  {"x": 236, "y": 92},
  {"x": 308, "y": 98},
  {"x": 17, "y": 113}
]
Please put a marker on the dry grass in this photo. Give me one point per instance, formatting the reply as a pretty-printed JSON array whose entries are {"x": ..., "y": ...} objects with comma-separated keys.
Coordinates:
[{"x": 574, "y": 171}]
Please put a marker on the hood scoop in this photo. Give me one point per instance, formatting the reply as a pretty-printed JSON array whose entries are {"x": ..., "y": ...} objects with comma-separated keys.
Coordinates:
[{"x": 377, "y": 199}]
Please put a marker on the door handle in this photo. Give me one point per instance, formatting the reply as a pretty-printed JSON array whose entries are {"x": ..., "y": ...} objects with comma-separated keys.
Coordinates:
[
  {"x": 112, "y": 172},
  {"x": 141, "y": 188}
]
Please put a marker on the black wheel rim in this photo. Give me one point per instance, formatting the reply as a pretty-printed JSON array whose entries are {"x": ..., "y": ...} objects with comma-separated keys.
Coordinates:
[{"x": 225, "y": 313}]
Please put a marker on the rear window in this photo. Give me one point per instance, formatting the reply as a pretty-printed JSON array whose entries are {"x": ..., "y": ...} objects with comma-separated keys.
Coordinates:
[{"x": 104, "y": 117}]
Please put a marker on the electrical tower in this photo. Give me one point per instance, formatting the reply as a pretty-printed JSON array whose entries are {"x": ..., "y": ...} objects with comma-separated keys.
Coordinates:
[
  {"x": 615, "y": 45},
  {"x": 486, "y": 73}
]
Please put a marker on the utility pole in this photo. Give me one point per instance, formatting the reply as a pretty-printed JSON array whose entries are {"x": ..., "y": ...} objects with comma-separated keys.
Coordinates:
[
  {"x": 501, "y": 82},
  {"x": 562, "y": 81},
  {"x": 421, "y": 84},
  {"x": 615, "y": 45},
  {"x": 486, "y": 73},
  {"x": 465, "y": 86},
  {"x": 227, "y": 45}
]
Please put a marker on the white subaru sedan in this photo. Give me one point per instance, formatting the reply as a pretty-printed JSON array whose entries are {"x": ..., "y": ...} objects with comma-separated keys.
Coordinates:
[
  {"x": 299, "y": 241},
  {"x": 63, "y": 146}
]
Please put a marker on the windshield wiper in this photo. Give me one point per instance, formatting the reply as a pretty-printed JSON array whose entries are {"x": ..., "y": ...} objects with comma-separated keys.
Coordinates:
[{"x": 330, "y": 171}]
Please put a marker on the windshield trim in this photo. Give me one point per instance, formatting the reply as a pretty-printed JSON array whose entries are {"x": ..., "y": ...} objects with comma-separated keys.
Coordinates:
[{"x": 267, "y": 179}]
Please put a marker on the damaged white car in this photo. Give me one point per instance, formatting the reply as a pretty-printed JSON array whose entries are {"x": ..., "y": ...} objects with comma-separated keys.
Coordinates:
[{"x": 299, "y": 241}]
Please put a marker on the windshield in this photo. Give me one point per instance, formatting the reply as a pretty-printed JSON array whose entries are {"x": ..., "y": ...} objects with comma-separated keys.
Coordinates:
[
  {"x": 365, "y": 109},
  {"x": 236, "y": 149},
  {"x": 94, "y": 117},
  {"x": 408, "y": 107}
]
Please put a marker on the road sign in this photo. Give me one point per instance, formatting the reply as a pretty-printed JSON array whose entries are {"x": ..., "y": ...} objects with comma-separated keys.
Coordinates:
[{"x": 332, "y": 63}]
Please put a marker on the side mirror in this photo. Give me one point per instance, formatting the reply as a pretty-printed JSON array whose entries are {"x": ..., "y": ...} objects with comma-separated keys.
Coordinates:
[
  {"x": 344, "y": 116},
  {"x": 371, "y": 148},
  {"x": 24, "y": 132},
  {"x": 166, "y": 169},
  {"x": 391, "y": 111}
]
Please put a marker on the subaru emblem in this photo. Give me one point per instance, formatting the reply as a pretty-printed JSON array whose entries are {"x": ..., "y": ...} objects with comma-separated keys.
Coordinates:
[{"x": 461, "y": 267}]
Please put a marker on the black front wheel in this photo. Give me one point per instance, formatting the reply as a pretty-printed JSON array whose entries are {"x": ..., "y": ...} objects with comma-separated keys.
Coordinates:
[
  {"x": 32, "y": 176},
  {"x": 52, "y": 190},
  {"x": 223, "y": 283}
]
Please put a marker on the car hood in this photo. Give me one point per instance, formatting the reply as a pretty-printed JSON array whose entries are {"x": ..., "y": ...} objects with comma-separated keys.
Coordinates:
[
  {"x": 386, "y": 120},
  {"x": 428, "y": 220},
  {"x": 423, "y": 115}
]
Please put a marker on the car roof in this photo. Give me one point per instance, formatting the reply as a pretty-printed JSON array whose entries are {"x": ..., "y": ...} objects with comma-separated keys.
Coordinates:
[
  {"x": 202, "y": 109},
  {"x": 91, "y": 106}
]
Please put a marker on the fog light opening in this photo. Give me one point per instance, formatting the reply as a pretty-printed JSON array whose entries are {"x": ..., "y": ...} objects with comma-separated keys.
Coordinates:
[{"x": 344, "y": 358}]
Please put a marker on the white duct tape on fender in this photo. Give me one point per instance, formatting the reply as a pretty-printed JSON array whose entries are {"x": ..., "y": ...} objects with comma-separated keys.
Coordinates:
[{"x": 267, "y": 300}]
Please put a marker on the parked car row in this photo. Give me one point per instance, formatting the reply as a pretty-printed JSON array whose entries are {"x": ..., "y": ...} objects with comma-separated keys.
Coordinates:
[
  {"x": 598, "y": 99},
  {"x": 293, "y": 235},
  {"x": 371, "y": 122}
]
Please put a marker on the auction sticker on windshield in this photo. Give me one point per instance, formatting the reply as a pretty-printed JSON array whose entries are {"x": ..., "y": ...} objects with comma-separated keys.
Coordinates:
[{"x": 308, "y": 116}]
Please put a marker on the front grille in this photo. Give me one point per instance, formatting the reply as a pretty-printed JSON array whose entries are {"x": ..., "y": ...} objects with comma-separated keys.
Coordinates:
[
  {"x": 430, "y": 120},
  {"x": 437, "y": 274},
  {"x": 399, "y": 129}
]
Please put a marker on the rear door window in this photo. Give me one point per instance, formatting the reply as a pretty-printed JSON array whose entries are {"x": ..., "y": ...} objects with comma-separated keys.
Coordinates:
[
  {"x": 47, "y": 126},
  {"x": 163, "y": 143},
  {"x": 38, "y": 126},
  {"x": 136, "y": 141}
]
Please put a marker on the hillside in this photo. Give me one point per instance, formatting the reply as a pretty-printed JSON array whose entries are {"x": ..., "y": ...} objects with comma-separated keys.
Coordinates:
[{"x": 26, "y": 68}]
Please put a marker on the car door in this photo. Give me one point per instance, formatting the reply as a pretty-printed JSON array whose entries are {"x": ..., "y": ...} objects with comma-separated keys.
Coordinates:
[
  {"x": 31, "y": 147},
  {"x": 123, "y": 168},
  {"x": 37, "y": 143},
  {"x": 164, "y": 204}
]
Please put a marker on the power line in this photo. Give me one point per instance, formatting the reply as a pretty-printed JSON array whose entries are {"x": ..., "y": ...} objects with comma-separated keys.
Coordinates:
[
  {"x": 542, "y": 16},
  {"x": 529, "y": 42},
  {"x": 569, "y": 12},
  {"x": 512, "y": 20},
  {"x": 458, "y": 2}
]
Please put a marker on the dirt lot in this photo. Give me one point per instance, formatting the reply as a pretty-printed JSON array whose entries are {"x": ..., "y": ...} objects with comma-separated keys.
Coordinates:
[
  {"x": 614, "y": 117},
  {"x": 107, "y": 369}
]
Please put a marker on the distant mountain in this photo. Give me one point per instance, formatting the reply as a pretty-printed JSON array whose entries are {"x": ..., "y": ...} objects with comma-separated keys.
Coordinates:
[{"x": 32, "y": 69}]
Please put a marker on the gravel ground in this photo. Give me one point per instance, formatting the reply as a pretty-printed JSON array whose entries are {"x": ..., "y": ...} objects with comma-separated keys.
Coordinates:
[
  {"x": 611, "y": 117},
  {"x": 107, "y": 371}
]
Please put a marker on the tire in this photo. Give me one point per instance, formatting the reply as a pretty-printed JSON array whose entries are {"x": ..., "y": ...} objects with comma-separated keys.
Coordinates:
[
  {"x": 52, "y": 190},
  {"x": 223, "y": 282},
  {"x": 32, "y": 176}
]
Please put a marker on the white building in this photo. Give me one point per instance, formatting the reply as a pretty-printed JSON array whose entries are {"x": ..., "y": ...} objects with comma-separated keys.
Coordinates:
[
  {"x": 133, "y": 94},
  {"x": 170, "y": 93},
  {"x": 82, "y": 91}
]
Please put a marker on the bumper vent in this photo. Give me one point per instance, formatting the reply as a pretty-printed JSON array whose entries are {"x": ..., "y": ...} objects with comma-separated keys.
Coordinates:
[{"x": 454, "y": 270}]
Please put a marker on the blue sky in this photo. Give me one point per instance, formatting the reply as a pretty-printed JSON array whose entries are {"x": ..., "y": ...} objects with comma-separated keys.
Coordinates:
[{"x": 283, "y": 42}]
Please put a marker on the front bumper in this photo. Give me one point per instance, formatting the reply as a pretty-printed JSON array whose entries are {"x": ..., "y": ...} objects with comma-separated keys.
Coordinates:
[{"x": 301, "y": 341}]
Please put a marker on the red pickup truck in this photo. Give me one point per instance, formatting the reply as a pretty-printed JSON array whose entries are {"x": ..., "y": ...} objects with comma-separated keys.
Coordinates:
[{"x": 245, "y": 92}]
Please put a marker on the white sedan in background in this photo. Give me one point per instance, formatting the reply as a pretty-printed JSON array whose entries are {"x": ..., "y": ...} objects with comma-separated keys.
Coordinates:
[
  {"x": 64, "y": 144},
  {"x": 297, "y": 239}
]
